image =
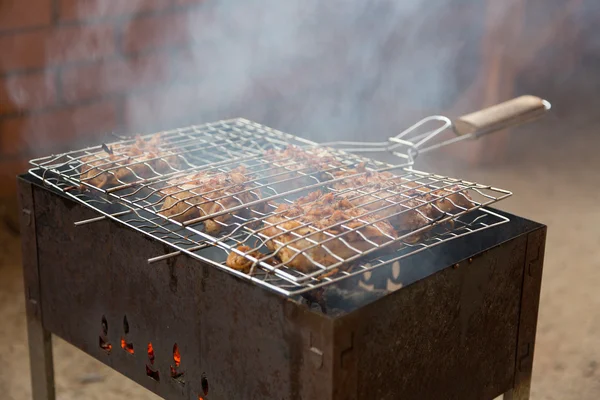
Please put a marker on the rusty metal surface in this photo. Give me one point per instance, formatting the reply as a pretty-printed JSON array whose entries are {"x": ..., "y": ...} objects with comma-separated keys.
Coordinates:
[{"x": 449, "y": 328}]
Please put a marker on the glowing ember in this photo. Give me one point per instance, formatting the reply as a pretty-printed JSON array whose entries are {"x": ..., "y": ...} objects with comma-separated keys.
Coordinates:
[
  {"x": 151, "y": 353},
  {"x": 176, "y": 355},
  {"x": 104, "y": 345},
  {"x": 128, "y": 347}
]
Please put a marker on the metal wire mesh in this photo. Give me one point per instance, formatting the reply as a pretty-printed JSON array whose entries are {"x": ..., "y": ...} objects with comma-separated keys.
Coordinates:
[{"x": 234, "y": 194}]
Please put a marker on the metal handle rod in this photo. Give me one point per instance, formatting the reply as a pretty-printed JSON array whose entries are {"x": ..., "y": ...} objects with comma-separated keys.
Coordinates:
[{"x": 508, "y": 114}]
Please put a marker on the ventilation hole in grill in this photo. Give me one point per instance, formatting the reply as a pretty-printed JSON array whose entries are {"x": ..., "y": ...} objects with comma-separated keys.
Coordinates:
[
  {"x": 128, "y": 347},
  {"x": 125, "y": 325},
  {"x": 102, "y": 342},
  {"x": 175, "y": 374},
  {"x": 152, "y": 374},
  {"x": 104, "y": 326},
  {"x": 150, "y": 353},
  {"x": 104, "y": 345},
  {"x": 204, "y": 384},
  {"x": 178, "y": 376}
]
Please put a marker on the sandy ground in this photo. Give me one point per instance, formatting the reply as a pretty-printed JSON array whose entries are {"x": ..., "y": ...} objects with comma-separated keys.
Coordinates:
[{"x": 555, "y": 179}]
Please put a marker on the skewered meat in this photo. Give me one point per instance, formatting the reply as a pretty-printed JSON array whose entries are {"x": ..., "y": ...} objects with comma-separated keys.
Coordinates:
[
  {"x": 295, "y": 229},
  {"x": 127, "y": 163},
  {"x": 204, "y": 193}
]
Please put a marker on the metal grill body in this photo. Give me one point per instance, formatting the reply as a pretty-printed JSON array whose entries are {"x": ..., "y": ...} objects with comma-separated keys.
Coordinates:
[{"x": 456, "y": 321}]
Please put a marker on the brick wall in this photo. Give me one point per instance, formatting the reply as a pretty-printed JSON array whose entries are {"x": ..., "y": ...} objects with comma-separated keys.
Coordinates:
[{"x": 69, "y": 69}]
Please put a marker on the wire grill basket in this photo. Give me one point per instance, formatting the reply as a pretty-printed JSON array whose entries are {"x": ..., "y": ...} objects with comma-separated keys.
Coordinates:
[{"x": 267, "y": 206}]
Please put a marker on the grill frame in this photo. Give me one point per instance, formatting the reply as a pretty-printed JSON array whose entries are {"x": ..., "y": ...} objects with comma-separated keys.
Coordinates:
[
  {"x": 192, "y": 240},
  {"x": 328, "y": 356}
]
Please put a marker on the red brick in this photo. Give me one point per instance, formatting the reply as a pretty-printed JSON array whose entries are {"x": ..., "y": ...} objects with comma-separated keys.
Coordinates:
[
  {"x": 71, "y": 10},
  {"x": 162, "y": 31},
  {"x": 97, "y": 80},
  {"x": 49, "y": 47},
  {"x": 27, "y": 92},
  {"x": 42, "y": 133},
  {"x": 131, "y": 74},
  {"x": 26, "y": 50},
  {"x": 18, "y": 14}
]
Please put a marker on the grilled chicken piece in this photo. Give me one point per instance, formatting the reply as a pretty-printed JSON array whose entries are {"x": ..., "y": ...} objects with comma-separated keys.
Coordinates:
[
  {"x": 389, "y": 196},
  {"x": 127, "y": 163},
  {"x": 417, "y": 204},
  {"x": 294, "y": 162},
  {"x": 456, "y": 200},
  {"x": 203, "y": 193},
  {"x": 241, "y": 263},
  {"x": 295, "y": 228}
]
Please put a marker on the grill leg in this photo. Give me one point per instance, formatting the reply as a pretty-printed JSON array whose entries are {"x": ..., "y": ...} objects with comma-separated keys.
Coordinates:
[
  {"x": 40, "y": 341},
  {"x": 40, "y": 359},
  {"x": 520, "y": 392}
]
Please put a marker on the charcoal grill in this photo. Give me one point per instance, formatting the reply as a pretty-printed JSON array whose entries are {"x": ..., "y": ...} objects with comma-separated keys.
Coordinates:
[{"x": 450, "y": 316}]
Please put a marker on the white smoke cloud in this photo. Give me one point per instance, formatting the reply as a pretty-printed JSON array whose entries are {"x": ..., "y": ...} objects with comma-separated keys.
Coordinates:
[{"x": 333, "y": 70}]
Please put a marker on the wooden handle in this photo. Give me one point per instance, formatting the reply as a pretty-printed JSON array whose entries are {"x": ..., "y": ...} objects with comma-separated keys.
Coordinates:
[{"x": 504, "y": 115}]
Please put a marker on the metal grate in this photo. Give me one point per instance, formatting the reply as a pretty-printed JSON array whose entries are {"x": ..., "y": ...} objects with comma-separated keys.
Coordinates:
[{"x": 231, "y": 188}]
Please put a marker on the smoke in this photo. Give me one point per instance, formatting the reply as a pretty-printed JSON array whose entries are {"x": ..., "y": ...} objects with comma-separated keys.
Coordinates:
[
  {"x": 325, "y": 70},
  {"x": 330, "y": 68}
]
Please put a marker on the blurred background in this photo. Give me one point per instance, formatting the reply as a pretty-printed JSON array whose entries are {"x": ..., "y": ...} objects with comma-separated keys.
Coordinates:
[{"x": 74, "y": 72}]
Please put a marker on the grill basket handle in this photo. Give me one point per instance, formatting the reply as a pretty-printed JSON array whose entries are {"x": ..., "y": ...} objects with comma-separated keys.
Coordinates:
[
  {"x": 504, "y": 115},
  {"x": 408, "y": 146}
]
